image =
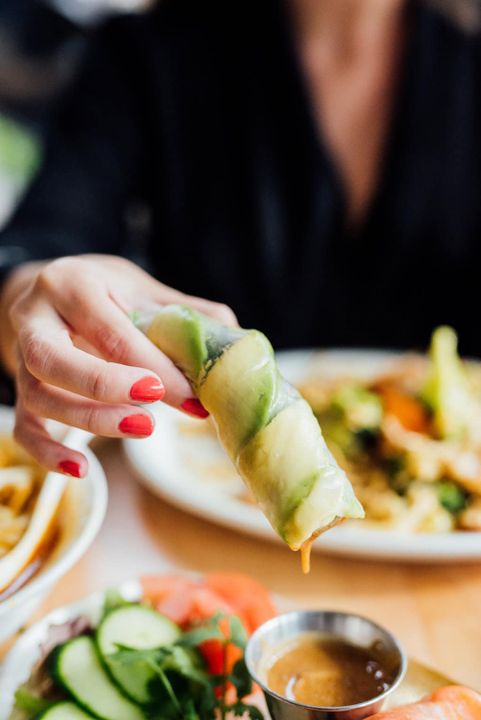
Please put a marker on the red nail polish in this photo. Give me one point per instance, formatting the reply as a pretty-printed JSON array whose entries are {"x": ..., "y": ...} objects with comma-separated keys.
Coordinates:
[
  {"x": 140, "y": 425},
  {"x": 194, "y": 407},
  {"x": 70, "y": 467},
  {"x": 147, "y": 389}
]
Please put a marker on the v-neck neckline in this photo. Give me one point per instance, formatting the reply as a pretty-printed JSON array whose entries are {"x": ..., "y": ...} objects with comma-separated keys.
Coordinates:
[{"x": 323, "y": 155}]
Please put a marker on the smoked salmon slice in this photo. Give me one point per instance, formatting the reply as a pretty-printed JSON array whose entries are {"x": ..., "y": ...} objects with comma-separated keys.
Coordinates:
[
  {"x": 185, "y": 600},
  {"x": 453, "y": 702}
]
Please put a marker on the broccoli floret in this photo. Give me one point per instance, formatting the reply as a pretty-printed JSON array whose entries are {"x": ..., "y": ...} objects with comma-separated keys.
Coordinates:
[{"x": 452, "y": 497}]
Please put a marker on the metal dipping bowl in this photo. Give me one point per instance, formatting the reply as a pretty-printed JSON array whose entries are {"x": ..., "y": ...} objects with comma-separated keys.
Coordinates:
[{"x": 357, "y": 630}]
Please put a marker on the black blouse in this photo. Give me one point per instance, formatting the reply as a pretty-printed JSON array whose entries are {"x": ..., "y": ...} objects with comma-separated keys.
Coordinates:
[{"x": 197, "y": 114}]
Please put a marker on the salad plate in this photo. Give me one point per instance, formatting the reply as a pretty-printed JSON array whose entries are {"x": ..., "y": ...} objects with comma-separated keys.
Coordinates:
[
  {"x": 183, "y": 463},
  {"x": 50, "y": 630}
]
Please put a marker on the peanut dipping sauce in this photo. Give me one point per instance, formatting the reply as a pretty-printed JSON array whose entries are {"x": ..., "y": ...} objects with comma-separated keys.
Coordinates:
[{"x": 326, "y": 671}]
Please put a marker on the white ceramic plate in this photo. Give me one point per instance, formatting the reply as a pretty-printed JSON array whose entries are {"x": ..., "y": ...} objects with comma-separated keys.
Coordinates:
[
  {"x": 18, "y": 664},
  {"x": 185, "y": 465}
]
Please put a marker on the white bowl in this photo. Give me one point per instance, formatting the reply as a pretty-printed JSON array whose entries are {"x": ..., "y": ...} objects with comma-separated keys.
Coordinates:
[{"x": 81, "y": 515}]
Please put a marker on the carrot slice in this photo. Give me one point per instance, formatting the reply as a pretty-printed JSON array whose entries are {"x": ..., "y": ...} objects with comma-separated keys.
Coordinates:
[{"x": 406, "y": 408}]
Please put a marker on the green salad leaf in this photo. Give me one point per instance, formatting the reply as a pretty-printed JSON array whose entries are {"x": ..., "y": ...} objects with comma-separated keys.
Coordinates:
[
  {"x": 207, "y": 630},
  {"x": 238, "y": 635},
  {"x": 30, "y": 703},
  {"x": 241, "y": 678},
  {"x": 241, "y": 709}
]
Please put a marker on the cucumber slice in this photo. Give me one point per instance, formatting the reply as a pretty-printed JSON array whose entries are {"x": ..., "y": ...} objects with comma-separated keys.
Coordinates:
[
  {"x": 78, "y": 668},
  {"x": 64, "y": 711},
  {"x": 140, "y": 628}
]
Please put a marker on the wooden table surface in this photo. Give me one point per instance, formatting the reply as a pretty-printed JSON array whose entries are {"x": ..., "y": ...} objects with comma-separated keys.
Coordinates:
[{"x": 434, "y": 610}]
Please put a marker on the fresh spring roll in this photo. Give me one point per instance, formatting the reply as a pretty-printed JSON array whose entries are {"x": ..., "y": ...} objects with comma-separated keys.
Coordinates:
[{"x": 266, "y": 427}]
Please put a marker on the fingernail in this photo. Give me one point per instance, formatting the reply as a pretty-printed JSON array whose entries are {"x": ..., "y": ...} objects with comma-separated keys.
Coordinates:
[
  {"x": 140, "y": 425},
  {"x": 147, "y": 389},
  {"x": 70, "y": 467},
  {"x": 194, "y": 407}
]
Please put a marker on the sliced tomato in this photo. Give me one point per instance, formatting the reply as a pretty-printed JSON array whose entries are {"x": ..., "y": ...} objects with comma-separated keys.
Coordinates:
[
  {"x": 220, "y": 657},
  {"x": 213, "y": 653}
]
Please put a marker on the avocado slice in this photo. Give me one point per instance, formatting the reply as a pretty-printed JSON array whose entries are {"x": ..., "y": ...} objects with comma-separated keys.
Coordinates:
[
  {"x": 241, "y": 385},
  {"x": 179, "y": 332},
  {"x": 284, "y": 476},
  {"x": 269, "y": 431}
]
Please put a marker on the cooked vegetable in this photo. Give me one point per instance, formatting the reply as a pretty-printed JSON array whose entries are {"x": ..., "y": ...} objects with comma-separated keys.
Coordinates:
[
  {"x": 135, "y": 627},
  {"x": 447, "y": 389},
  {"x": 77, "y": 667},
  {"x": 406, "y": 408},
  {"x": 28, "y": 505},
  {"x": 360, "y": 408},
  {"x": 41, "y": 521},
  {"x": 64, "y": 711},
  {"x": 451, "y": 496},
  {"x": 419, "y": 468},
  {"x": 266, "y": 427}
]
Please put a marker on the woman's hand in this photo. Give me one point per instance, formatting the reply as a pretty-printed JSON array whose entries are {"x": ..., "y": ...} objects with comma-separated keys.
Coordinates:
[{"x": 77, "y": 358}]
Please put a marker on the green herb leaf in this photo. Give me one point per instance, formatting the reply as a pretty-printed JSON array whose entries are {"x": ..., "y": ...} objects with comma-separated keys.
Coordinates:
[
  {"x": 189, "y": 712},
  {"x": 180, "y": 660},
  {"x": 30, "y": 703},
  {"x": 207, "y": 630},
  {"x": 207, "y": 702},
  {"x": 240, "y": 709},
  {"x": 130, "y": 656},
  {"x": 169, "y": 690},
  {"x": 241, "y": 679},
  {"x": 196, "y": 637},
  {"x": 238, "y": 634}
]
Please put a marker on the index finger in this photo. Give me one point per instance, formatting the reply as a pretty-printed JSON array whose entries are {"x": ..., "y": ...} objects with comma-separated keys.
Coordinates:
[{"x": 50, "y": 356}]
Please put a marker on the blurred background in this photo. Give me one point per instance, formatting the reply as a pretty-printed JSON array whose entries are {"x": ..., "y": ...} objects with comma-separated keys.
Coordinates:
[{"x": 41, "y": 44}]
